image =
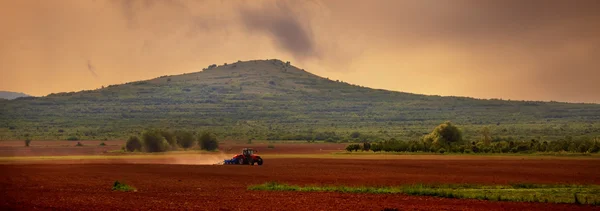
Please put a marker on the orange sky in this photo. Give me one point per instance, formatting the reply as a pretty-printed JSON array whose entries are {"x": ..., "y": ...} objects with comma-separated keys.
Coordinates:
[{"x": 509, "y": 49}]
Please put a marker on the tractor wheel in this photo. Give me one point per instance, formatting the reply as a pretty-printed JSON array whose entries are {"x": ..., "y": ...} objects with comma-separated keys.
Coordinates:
[
  {"x": 251, "y": 162},
  {"x": 241, "y": 161},
  {"x": 260, "y": 162}
]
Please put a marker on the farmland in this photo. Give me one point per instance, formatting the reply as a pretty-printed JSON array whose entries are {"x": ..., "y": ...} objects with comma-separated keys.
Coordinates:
[{"x": 178, "y": 180}]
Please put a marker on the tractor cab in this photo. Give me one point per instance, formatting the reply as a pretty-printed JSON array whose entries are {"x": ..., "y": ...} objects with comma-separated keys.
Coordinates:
[{"x": 247, "y": 152}]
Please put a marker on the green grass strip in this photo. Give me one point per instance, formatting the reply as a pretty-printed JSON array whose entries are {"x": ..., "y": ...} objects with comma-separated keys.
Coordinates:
[{"x": 574, "y": 194}]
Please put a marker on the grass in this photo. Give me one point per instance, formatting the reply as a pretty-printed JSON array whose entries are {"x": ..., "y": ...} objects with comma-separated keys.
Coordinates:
[
  {"x": 118, "y": 186},
  {"x": 575, "y": 194}
]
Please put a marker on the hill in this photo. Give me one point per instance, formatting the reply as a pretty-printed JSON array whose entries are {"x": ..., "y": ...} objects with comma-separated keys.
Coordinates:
[
  {"x": 275, "y": 100},
  {"x": 11, "y": 95}
]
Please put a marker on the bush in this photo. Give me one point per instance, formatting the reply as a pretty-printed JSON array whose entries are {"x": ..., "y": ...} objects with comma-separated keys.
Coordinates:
[
  {"x": 376, "y": 147},
  {"x": 73, "y": 138},
  {"x": 27, "y": 142},
  {"x": 271, "y": 146},
  {"x": 133, "y": 144},
  {"x": 366, "y": 146},
  {"x": 208, "y": 141},
  {"x": 185, "y": 139},
  {"x": 79, "y": 144},
  {"x": 355, "y": 134},
  {"x": 154, "y": 141},
  {"x": 102, "y": 144},
  {"x": 442, "y": 151},
  {"x": 468, "y": 151},
  {"x": 444, "y": 134},
  {"x": 594, "y": 148},
  {"x": 353, "y": 147},
  {"x": 169, "y": 137},
  {"x": 118, "y": 186}
]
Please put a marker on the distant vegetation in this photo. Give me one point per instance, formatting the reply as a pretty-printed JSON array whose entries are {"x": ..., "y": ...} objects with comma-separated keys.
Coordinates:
[
  {"x": 447, "y": 138},
  {"x": 133, "y": 144},
  {"x": 155, "y": 140},
  {"x": 272, "y": 100},
  {"x": 576, "y": 194},
  {"x": 208, "y": 141}
]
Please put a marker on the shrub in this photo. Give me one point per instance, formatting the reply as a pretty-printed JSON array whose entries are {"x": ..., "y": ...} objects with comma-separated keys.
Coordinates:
[
  {"x": 594, "y": 148},
  {"x": 353, "y": 147},
  {"x": 79, "y": 144},
  {"x": 72, "y": 138},
  {"x": 271, "y": 146},
  {"x": 355, "y": 134},
  {"x": 169, "y": 137},
  {"x": 185, "y": 139},
  {"x": 444, "y": 134},
  {"x": 102, "y": 144},
  {"x": 118, "y": 186},
  {"x": 366, "y": 146},
  {"x": 27, "y": 142},
  {"x": 154, "y": 141},
  {"x": 468, "y": 151},
  {"x": 133, "y": 144},
  {"x": 442, "y": 151},
  {"x": 376, "y": 147},
  {"x": 208, "y": 141}
]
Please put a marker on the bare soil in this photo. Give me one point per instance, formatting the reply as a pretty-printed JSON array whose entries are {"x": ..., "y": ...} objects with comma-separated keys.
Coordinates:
[{"x": 213, "y": 187}]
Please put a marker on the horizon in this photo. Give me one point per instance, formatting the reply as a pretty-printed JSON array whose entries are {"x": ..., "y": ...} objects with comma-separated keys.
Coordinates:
[{"x": 513, "y": 50}]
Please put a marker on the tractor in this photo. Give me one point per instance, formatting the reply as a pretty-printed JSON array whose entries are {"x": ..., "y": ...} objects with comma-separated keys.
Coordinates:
[{"x": 246, "y": 158}]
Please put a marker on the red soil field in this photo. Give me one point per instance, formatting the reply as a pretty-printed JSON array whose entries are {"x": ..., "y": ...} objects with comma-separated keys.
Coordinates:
[{"x": 214, "y": 187}]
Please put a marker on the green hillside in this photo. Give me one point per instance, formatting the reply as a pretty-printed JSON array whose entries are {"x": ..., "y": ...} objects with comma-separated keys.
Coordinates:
[{"x": 269, "y": 99}]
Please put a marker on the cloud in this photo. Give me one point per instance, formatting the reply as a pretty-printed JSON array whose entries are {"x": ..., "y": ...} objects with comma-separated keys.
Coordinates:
[
  {"x": 92, "y": 69},
  {"x": 290, "y": 31},
  {"x": 536, "y": 49}
]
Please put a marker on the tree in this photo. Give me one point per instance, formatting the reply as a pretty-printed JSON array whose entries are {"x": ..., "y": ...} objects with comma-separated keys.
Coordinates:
[
  {"x": 133, "y": 144},
  {"x": 353, "y": 147},
  {"x": 355, "y": 134},
  {"x": 444, "y": 135},
  {"x": 366, "y": 146},
  {"x": 169, "y": 137},
  {"x": 154, "y": 141},
  {"x": 185, "y": 139},
  {"x": 485, "y": 136},
  {"x": 208, "y": 141}
]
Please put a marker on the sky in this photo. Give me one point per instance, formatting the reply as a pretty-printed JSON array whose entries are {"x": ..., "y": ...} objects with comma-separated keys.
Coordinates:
[{"x": 545, "y": 50}]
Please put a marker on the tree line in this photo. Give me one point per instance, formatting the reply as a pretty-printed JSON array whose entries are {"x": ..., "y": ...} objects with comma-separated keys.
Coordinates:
[
  {"x": 448, "y": 138},
  {"x": 157, "y": 140}
]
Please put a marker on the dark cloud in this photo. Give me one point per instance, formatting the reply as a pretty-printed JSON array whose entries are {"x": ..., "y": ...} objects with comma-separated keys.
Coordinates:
[
  {"x": 283, "y": 25},
  {"x": 92, "y": 69}
]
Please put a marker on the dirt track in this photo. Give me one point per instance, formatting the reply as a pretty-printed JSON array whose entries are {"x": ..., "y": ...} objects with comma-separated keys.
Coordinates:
[{"x": 207, "y": 187}]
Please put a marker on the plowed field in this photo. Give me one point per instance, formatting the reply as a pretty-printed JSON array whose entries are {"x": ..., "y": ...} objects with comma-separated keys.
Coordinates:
[{"x": 211, "y": 187}]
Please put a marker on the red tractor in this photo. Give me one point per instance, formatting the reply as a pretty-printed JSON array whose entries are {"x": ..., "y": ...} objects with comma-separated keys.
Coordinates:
[{"x": 246, "y": 158}]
